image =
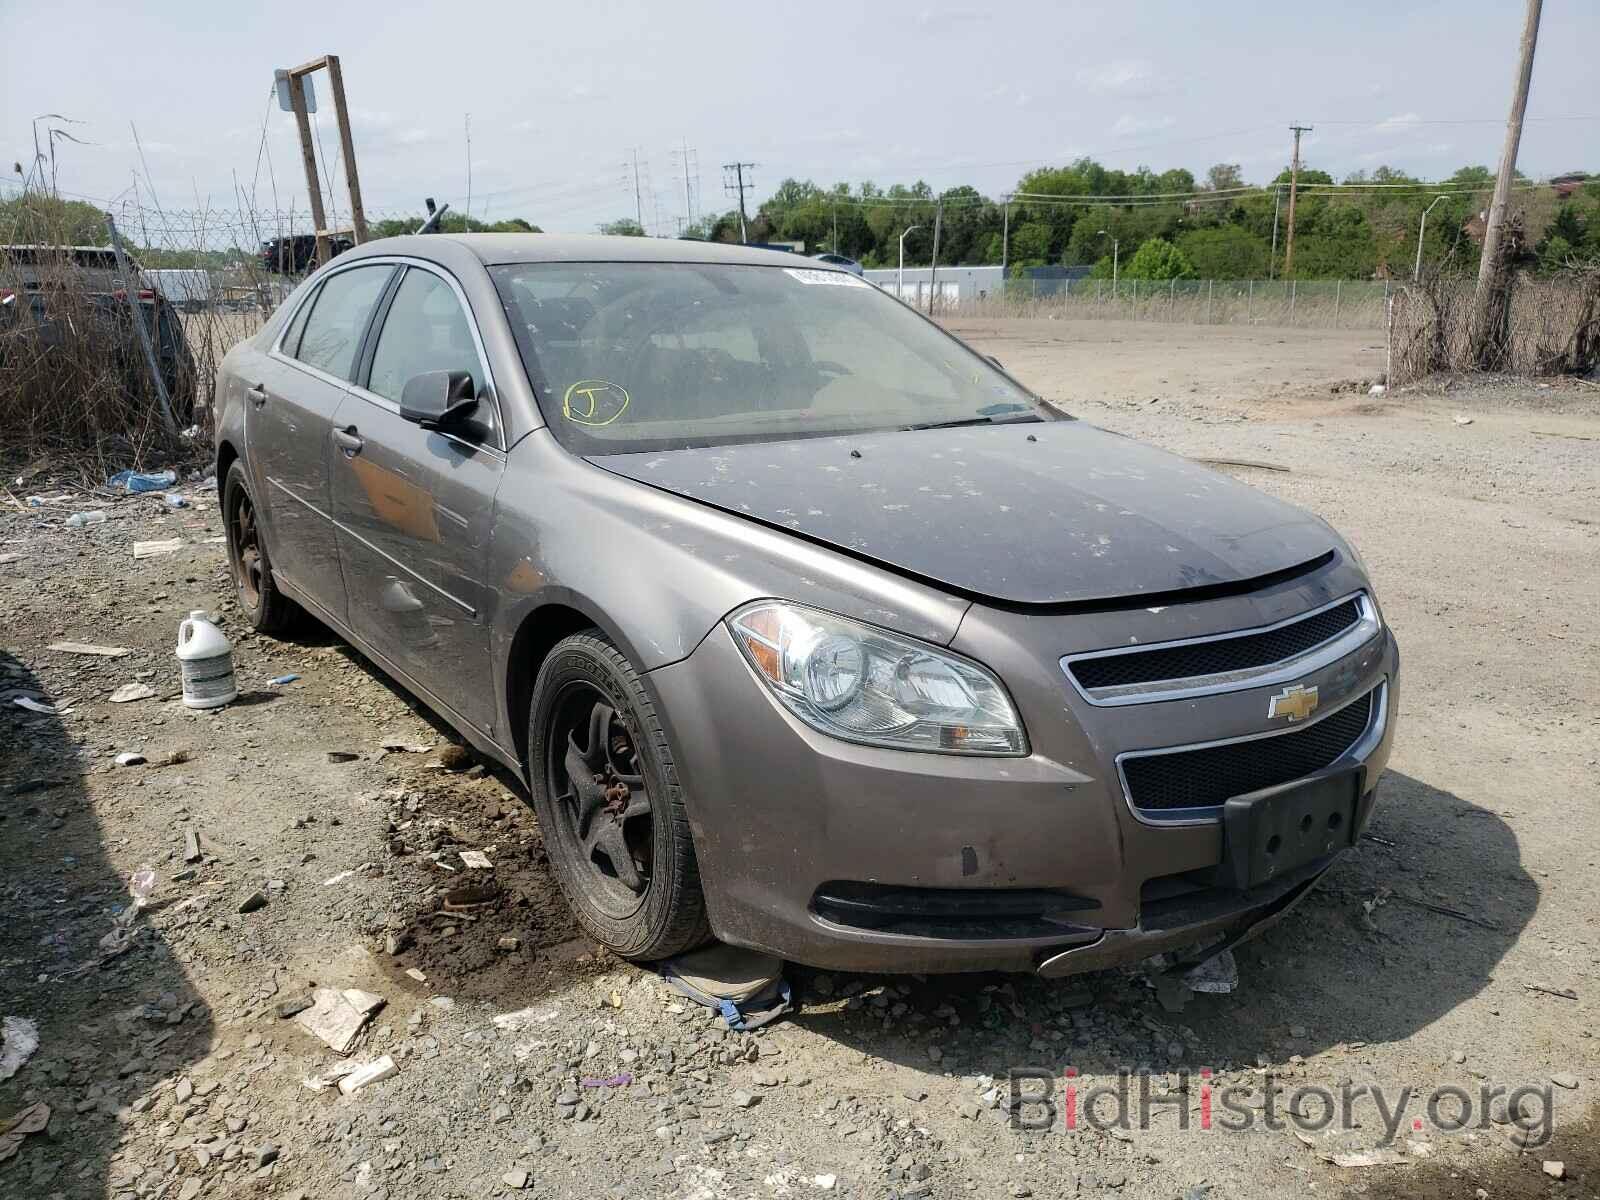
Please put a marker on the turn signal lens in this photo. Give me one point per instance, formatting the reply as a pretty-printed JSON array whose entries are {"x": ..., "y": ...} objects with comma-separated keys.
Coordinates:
[{"x": 866, "y": 685}]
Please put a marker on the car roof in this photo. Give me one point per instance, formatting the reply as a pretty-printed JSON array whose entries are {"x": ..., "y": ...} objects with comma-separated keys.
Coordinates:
[{"x": 494, "y": 249}]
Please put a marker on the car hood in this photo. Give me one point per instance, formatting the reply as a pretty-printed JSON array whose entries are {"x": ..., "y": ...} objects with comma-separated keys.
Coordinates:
[{"x": 1051, "y": 513}]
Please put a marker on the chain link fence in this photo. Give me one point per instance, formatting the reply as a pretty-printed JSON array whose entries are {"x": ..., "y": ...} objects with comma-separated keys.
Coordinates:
[{"x": 1316, "y": 304}]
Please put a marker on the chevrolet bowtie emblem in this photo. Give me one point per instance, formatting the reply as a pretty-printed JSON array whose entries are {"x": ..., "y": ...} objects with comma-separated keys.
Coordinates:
[{"x": 1295, "y": 702}]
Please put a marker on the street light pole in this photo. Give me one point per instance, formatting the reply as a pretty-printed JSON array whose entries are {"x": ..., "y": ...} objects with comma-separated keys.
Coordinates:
[
  {"x": 900, "y": 277},
  {"x": 1416, "y": 273},
  {"x": 1115, "y": 244}
]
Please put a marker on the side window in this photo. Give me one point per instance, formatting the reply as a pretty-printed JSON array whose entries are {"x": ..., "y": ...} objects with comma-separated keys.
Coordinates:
[
  {"x": 338, "y": 317},
  {"x": 291, "y": 339},
  {"x": 426, "y": 330}
]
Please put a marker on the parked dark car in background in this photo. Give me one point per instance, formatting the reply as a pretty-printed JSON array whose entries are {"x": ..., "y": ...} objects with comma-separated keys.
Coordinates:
[
  {"x": 56, "y": 300},
  {"x": 806, "y": 626},
  {"x": 295, "y": 254}
]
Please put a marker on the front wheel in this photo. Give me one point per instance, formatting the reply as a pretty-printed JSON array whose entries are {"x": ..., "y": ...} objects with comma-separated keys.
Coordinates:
[
  {"x": 267, "y": 609},
  {"x": 608, "y": 801}
]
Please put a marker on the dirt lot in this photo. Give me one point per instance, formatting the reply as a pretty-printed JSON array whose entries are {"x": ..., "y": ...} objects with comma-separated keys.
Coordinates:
[{"x": 169, "y": 1072}]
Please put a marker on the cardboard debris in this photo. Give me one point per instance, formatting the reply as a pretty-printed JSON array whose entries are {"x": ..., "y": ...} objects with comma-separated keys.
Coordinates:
[
  {"x": 132, "y": 691},
  {"x": 339, "y": 1017},
  {"x": 367, "y": 1073},
  {"x": 32, "y": 1119},
  {"x": 87, "y": 648},
  {"x": 157, "y": 548},
  {"x": 1365, "y": 1158},
  {"x": 477, "y": 860}
]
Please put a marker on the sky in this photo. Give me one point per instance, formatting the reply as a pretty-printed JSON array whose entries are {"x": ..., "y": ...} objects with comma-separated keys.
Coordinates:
[{"x": 561, "y": 97}]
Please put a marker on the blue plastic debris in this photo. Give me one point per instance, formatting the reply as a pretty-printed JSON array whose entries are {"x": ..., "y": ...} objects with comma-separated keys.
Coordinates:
[
  {"x": 282, "y": 679},
  {"x": 150, "y": 481}
]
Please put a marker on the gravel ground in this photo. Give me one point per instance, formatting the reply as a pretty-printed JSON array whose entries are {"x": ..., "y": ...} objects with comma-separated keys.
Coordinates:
[{"x": 529, "y": 1061}]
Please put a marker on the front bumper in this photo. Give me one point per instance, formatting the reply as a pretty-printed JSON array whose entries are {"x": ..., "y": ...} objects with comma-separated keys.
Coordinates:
[{"x": 849, "y": 857}]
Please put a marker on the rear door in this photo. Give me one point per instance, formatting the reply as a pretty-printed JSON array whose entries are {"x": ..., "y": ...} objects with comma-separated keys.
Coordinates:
[
  {"x": 414, "y": 506},
  {"x": 289, "y": 411}
]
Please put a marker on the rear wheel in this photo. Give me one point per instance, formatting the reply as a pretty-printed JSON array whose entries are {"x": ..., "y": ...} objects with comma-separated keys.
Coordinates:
[
  {"x": 267, "y": 609},
  {"x": 606, "y": 793}
]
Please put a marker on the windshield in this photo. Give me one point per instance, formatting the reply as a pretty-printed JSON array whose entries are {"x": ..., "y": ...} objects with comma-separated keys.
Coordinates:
[{"x": 655, "y": 356}]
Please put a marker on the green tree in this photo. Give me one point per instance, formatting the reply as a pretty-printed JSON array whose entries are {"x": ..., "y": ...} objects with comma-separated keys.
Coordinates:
[
  {"x": 1224, "y": 176},
  {"x": 35, "y": 218},
  {"x": 1158, "y": 259},
  {"x": 1225, "y": 252},
  {"x": 624, "y": 227}
]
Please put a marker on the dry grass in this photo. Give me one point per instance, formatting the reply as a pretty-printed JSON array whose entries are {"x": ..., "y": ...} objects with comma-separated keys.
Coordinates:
[
  {"x": 75, "y": 384},
  {"x": 1544, "y": 326},
  {"x": 1346, "y": 304}
]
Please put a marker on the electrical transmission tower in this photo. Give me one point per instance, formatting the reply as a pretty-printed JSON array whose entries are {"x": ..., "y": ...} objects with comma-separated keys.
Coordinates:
[
  {"x": 689, "y": 163},
  {"x": 736, "y": 178}
]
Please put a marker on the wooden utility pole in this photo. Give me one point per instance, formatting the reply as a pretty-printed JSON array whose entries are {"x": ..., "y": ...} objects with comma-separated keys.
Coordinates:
[
  {"x": 1294, "y": 185},
  {"x": 308, "y": 154},
  {"x": 1489, "y": 265}
]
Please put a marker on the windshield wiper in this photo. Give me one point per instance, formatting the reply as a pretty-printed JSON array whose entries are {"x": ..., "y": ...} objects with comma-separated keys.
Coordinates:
[{"x": 1030, "y": 419}]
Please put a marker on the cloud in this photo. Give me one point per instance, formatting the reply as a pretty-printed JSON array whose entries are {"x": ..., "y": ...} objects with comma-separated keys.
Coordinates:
[
  {"x": 951, "y": 21},
  {"x": 1128, "y": 125},
  {"x": 1402, "y": 123},
  {"x": 1127, "y": 76}
]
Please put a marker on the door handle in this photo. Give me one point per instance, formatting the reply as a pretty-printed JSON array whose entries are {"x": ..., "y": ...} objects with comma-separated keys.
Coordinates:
[
  {"x": 257, "y": 394},
  {"x": 349, "y": 441}
]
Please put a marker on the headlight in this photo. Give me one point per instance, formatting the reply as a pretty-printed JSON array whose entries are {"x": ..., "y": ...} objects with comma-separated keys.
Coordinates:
[{"x": 862, "y": 684}]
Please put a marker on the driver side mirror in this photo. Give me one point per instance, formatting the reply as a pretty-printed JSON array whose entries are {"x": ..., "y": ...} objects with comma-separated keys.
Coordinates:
[{"x": 437, "y": 399}]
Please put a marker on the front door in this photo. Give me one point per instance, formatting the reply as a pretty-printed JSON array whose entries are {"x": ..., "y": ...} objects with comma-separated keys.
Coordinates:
[
  {"x": 414, "y": 507},
  {"x": 289, "y": 408}
]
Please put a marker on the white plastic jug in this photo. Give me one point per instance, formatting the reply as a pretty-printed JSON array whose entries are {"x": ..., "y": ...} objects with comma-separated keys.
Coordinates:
[{"x": 206, "y": 658}]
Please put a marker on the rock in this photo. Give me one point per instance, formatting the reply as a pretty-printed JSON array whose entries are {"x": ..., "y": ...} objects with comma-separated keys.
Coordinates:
[
  {"x": 253, "y": 902},
  {"x": 509, "y": 942},
  {"x": 1080, "y": 998},
  {"x": 266, "y": 1155},
  {"x": 515, "y": 1180},
  {"x": 935, "y": 1054},
  {"x": 743, "y": 1099},
  {"x": 1458, "y": 1057},
  {"x": 1554, "y": 1169},
  {"x": 396, "y": 943},
  {"x": 183, "y": 1091},
  {"x": 1565, "y": 1080},
  {"x": 288, "y": 1008},
  {"x": 190, "y": 1189},
  {"x": 191, "y": 847},
  {"x": 500, "y": 1114},
  {"x": 129, "y": 759},
  {"x": 824, "y": 1182},
  {"x": 967, "y": 1110}
]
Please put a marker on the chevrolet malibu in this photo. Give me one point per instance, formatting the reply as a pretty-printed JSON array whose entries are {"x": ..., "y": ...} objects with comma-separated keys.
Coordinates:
[{"x": 807, "y": 627}]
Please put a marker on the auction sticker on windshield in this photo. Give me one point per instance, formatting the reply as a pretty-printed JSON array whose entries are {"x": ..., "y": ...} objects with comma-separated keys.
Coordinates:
[{"x": 826, "y": 278}]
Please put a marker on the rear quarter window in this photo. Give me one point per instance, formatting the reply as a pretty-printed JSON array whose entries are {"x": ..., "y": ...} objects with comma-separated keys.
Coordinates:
[{"x": 338, "y": 317}]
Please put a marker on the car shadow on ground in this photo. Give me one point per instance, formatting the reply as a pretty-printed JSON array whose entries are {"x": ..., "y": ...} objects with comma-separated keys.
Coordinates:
[
  {"x": 1330, "y": 973},
  {"x": 117, "y": 1025}
]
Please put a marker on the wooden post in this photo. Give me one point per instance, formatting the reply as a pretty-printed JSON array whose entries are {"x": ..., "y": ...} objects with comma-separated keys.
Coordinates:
[
  {"x": 358, "y": 215},
  {"x": 1338, "y": 291},
  {"x": 308, "y": 156}
]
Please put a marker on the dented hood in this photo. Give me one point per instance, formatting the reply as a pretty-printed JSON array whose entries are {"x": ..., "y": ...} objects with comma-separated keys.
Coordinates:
[{"x": 1048, "y": 513}]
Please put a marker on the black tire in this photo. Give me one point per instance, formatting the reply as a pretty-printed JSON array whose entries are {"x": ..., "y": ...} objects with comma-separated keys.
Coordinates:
[
  {"x": 600, "y": 851},
  {"x": 266, "y": 608}
]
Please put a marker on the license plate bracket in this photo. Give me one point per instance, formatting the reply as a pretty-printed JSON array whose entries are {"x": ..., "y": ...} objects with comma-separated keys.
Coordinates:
[{"x": 1275, "y": 830}]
